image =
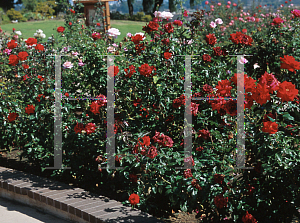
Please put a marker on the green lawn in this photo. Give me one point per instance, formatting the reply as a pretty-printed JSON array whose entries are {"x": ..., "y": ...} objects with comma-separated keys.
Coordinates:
[{"x": 49, "y": 27}]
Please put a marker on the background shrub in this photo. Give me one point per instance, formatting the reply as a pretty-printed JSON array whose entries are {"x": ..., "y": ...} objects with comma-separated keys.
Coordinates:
[
  {"x": 3, "y": 17},
  {"x": 14, "y": 15}
]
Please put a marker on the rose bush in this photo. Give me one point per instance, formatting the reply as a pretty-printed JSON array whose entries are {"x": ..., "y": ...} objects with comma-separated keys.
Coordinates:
[{"x": 149, "y": 112}]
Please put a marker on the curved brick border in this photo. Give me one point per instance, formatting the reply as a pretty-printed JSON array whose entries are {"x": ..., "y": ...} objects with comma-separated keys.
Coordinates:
[{"x": 64, "y": 201}]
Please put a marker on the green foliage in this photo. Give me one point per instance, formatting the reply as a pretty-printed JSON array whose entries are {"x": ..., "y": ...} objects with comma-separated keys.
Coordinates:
[
  {"x": 29, "y": 15},
  {"x": 14, "y": 15},
  {"x": 146, "y": 18},
  {"x": 3, "y": 17},
  {"x": 46, "y": 8}
]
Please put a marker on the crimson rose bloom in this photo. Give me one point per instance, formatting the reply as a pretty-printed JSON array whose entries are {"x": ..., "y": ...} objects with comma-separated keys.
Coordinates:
[
  {"x": 31, "y": 41},
  {"x": 203, "y": 134},
  {"x": 277, "y": 21},
  {"x": 96, "y": 36},
  {"x": 218, "y": 51},
  {"x": 78, "y": 128},
  {"x": 248, "y": 218},
  {"x": 206, "y": 58},
  {"x": 169, "y": 28},
  {"x": 13, "y": 60},
  {"x": 12, "y": 116},
  {"x": 90, "y": 128},
  {"x": 166, "y": 41},
  {"x": 152, "y": 26},
  {"x": 25, "y": 66},
  {"x": 287, "y": 91},
  {"x": 30, "y": 109},
  {"x": 152, "y": 152},
  {"x": 12, "y": 44},
  {"x": 221, "y": 201},
  {"x": 187, "y": 173},
  {"x": 224, "y": 88},
  {"x": 23, "y": 56},
  {"x": 211, "y": 39},
  {"x": 270, "y": 127},
  {"x": 146, "y": 70},
  {"x": 137, "y": 38},
  {"x": 241, "y": 38},
  {"x": 95, "y": 107},
  {"x": 231, "y": 107},
  {"x": 132, "y": 71},
  {"x": 134, "y": 199},
  {"x": 40, "y": 47},
  {"x": 271, "y": 82},
  {"x": 289, "y": 62},
  {"x": 167, "y": 55},
  {"x": 177, "y": 22},
  {"x": 60, "y": 29},
  {"x": 261, "y": 94}
]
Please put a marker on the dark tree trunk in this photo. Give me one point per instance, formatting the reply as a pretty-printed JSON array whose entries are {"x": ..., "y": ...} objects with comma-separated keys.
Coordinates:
[
  {"x": 172, "y": 6},
  {"x": 147, "y": 5},
  {"x": 130, "y": 7},
  {"x": 192, "y": 4}
]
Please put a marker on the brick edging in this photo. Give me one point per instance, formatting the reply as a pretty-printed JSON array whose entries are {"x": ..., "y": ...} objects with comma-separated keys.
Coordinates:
[{"x": 62, "y": 200}]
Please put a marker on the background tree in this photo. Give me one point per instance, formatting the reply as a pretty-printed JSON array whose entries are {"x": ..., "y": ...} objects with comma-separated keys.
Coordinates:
[
  {"x": 172, "y": 6},
  {"x": 192, "y": 4},
  {"x": 147, "y": 6},
  {"x": 46, "y": 8},
  {"x": 8, "y": 4},
  {"x": 157, "y": 4},
  {"x": 130, "y": 7}
]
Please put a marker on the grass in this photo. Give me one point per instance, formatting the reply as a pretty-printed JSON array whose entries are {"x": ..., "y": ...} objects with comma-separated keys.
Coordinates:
[{"x": 49, "y": 27}]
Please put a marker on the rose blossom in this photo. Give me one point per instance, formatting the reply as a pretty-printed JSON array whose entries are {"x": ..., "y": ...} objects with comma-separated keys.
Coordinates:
[
  {"x": 243, "y": 60},
  {"x": 113, "y": 32},
  {"x": 212, "y": 24},
  {"x": 219, "y": 21},
  {"x": 67, "y": 65},
  {"x": 206, "y": 3}
]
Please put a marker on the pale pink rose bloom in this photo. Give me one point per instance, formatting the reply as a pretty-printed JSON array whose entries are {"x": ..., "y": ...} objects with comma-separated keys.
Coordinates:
[
  {"x": 212, "y": 24},
  {"x": 206, "y": 3},
  {"x": 241, "y": 19},
  {"x": 243, "y": 60},
  {"x": 212, "y": 6},
  {"x": 230, "y": 24},
  {"x": 129, "y": 35},
  {"x": 219, "y": 4},
  {"x": 218, "y": 21},
  {"x": 229, "y": 3},
  {"x": 228, "y": 6},
  {"x": 67, "y": 65},
  {"x": 292, "y": 5},
  {"x": 74, "y": 53},
  {"x": 212, "y": 10}
]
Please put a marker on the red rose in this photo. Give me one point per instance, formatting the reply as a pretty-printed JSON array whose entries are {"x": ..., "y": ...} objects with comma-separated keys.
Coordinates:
[
  {"x": 40, "y": 77},
  {"x": 177, "y": 22},
  {"x": 169, "y": 28},
  {"x": 113, "y": 69},
  {"x": 230, "y": 107},
  {"x": 203, "y": 134},
  {"x": 241, "y": 38},
  {"x": 30, "y": 109},
  {"x": 98, "y": 24},
  {"x": 248, "y": 218},
  {"x": 60, "y": 29},
  {"x": 271, "y": 82},
  {"x": 39, "y": 47},
  {"x": 14, "y": 29},
  {"x": 152, "y": 152},
  {"x": 95, "y": 107},
  {"x": 25, "y": 66},
  {"x": 287, "y": 91},
  {"x": 134, "y": 199},
  {"x": 187, "y": 173},
  {"x": 13, "y": 60},
  {"x": 167, "y": 55},
  {"x": 12, "y": 44},
  {"x": 137, "y": 38},
  {"x": 211, "y": 39},
  {"x": 224, "y": 88},
  {"x": 199, "y": 149},
  {"x": 23, "y": 56},
  {"x": 270, "y": 127},
  {"x": 244, "y": 30},
  {"x": 130, "y": 72},
  {"x": 218, "y": 51},
  {"x": 70, "y": 23},
  {"x": 96, "y": 36},
  {"x": 218, "y": 178},
  {"x": 90, "y": 128},
  {"x": 206, "y": 58},
  {"x": 67, "y": 94},
  {"x": 25, "y": 77},
  {"x": 277, "y": 21},
  {"x": 289, "y": 62},
  {"x": 189, "y": 160},
  {"x": 221, "y": 201},
  {"x": 31, "y": 41},
  {"x": 146, "y": 70},
  {"x": 152, "y": 26},
  {"x": 261, "y": 94},
  {"x": 78, "y": 128},
  {"x": 12, "y": 116},
  {"x": 39, "y": 96}
]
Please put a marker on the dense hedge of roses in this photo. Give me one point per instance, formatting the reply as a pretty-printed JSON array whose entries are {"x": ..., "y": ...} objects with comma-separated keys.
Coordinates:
[{"x": 149, "y": 112}]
